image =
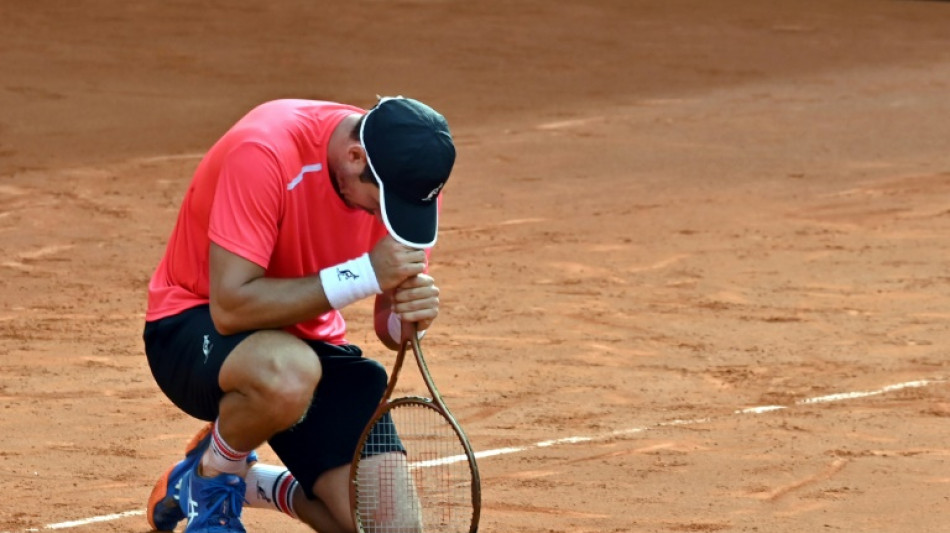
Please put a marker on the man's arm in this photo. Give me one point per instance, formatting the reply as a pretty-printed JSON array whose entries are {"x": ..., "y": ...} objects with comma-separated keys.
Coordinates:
[{"x": 242, "y": 298}]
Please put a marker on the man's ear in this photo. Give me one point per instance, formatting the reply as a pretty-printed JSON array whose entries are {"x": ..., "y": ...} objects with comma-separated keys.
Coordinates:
[{"x": 355, "y": 154}]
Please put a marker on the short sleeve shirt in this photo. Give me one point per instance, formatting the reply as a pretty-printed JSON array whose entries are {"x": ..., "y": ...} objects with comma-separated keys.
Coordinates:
[{"x": 263, "y": 192}]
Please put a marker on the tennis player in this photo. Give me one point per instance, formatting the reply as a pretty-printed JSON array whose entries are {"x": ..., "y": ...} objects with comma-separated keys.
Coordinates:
[{"x": 300, "y": 209}]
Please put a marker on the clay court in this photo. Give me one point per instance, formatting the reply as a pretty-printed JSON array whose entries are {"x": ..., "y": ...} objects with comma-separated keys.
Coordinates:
[{"x": 693, "y": 256}]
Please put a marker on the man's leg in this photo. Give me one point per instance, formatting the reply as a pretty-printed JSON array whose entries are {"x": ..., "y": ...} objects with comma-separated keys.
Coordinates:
[
  {"x": 333, "y": 489},
  {"x": 274, "y": 487},
  {"x": 395, "y": 503},
  {"x": 321, "y": 446},
  {"x": 317, "y": 515},
  {"x": 268, "y": 382}
]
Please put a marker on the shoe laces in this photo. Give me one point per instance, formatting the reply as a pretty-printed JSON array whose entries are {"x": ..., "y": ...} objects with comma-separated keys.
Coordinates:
[{"x": 225, "y": 499}]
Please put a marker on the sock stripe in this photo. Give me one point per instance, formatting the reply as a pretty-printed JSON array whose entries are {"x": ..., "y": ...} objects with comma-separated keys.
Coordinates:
[
  {"x": 276, "y": 493},
  {"x": 283, "y": 493},
  {"x": 221, "y": 448}
]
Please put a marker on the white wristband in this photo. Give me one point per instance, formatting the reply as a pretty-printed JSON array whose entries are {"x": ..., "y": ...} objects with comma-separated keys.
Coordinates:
[
  {"x": 394, "y": 325},
  {"x": 349, "y": 281}
]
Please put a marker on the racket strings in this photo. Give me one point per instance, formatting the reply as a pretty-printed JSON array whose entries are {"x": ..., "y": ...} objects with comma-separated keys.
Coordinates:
[{"x": 426, "y": 489}]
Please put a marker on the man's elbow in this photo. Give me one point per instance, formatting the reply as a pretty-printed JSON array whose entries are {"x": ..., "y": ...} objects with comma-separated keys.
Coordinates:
[{"x": 225, "y": 322}]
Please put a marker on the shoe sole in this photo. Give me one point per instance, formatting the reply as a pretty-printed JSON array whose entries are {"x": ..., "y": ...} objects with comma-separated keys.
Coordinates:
[{"x": 160, "y": 490}]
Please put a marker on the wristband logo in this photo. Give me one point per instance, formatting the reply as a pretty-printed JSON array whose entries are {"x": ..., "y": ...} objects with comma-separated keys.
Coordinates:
[
  {"x": 345, "y": 274},
  {"x": 349, "y": 281}
]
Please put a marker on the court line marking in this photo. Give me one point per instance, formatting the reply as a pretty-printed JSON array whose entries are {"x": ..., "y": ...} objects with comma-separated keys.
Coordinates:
[{"x": 829, "y": 398}]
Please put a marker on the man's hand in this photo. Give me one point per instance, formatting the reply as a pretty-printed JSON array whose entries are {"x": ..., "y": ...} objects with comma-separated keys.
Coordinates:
[
  {"x": 395, "y": 263},
  {"x": 416, "y": 300}
]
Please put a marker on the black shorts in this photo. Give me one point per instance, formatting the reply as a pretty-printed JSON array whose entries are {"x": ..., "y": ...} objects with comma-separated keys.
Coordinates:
[{"x": 185, "y": 353}]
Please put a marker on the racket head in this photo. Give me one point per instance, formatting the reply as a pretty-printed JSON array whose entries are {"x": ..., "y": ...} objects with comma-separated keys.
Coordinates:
[{"x": 414, "y": 472}]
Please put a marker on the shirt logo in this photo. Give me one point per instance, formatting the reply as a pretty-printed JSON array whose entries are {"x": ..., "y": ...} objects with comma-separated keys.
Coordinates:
[{"x": 309, "y": 168}]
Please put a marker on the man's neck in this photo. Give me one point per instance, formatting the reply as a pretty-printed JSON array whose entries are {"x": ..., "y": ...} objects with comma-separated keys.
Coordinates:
[{"x": 340, "y": 139}]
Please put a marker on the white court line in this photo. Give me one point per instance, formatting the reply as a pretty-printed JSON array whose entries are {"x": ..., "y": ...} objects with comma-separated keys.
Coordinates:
[
  {"x": 574, "y": 440},
  {"x": 93, "y": 520}
]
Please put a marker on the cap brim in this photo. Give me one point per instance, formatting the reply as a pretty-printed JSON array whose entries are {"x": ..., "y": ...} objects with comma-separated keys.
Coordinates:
[{"x": 413, "y": 224}]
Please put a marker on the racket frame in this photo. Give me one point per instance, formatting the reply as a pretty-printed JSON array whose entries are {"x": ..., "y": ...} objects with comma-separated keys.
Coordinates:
[{"x": 435, "y": 402}]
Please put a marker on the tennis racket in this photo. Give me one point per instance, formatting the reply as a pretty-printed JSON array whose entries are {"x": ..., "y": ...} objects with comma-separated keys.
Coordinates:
[{"x": 414, "y": 470}]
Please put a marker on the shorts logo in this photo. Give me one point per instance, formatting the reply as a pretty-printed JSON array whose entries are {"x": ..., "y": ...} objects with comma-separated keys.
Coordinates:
[{"x": 206, "y": 347}]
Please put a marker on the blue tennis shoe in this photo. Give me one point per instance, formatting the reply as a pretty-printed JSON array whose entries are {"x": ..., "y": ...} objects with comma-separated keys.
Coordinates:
[
  {"x": 212, "y": 504},
  {"x": 164, "y": 510}
]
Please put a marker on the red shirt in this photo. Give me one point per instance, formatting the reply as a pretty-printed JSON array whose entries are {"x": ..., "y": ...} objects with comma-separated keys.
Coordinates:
[{"x": 263, "y": 192}]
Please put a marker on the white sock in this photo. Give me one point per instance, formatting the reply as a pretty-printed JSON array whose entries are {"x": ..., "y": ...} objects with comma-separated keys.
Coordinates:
[
  {"x": 271, "y": 487},
  {"x": 222, "y": 457}
]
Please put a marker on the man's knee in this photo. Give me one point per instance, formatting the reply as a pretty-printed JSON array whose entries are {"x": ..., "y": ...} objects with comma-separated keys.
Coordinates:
[
  {"x": 375, "y": 376},
  {"x": 277, "y": 370}
]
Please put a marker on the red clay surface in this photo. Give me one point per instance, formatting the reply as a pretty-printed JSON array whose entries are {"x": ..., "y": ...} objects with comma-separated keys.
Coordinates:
[{"x": 662, "y": 213}]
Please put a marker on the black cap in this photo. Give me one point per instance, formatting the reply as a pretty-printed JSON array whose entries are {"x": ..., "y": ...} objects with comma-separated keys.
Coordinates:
[{"x": 409, "y": 149}]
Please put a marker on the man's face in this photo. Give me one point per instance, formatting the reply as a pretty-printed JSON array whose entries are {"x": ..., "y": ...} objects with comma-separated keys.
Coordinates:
[{"x": 358, "y": 194}]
